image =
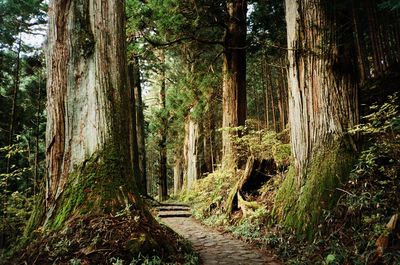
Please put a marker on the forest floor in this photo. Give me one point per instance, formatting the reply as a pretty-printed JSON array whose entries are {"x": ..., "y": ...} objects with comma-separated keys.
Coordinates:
[{"x": 214, "y": 247}]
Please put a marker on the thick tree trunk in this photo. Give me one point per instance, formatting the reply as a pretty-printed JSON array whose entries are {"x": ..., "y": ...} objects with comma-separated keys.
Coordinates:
[
  {"x": 88, "y": 159},
  {"x": 322, "y": 106},
  {"x": 234, "y": 75}
]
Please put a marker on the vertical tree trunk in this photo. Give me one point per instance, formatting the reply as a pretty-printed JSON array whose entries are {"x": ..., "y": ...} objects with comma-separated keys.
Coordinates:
[
  {"x": 271, "y": 82},
  {"x": 37, "y": 135},
  {"x": 140, "y": 125},
  {"x": 281, "y": 107},
  {"x": 14, "y": 101},
  {"x": 162, "y": 181},
  {"x": 88, "y": 158},
  {"x": 192, "y": 152},
  {"x": 178, "y": 175},
  {"x": 234, "y": 75},
  {"x": 283, "y": 80},
  {"x": 322, "y": 107},
  {"x": 264, "y": 67},
  {"x": 133, "y": 140}
]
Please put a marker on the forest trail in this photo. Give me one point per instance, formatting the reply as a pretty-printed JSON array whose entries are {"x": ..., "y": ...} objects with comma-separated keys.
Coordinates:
[{"x": 214, "y": 247}]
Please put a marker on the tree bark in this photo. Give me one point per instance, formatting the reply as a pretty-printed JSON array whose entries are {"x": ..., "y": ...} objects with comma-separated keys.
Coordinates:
[
  {"x": 234, "y": 75},
  {"x": 37, "y": 135},
  {"x": 178, "y": 175},
  {"x": 133, "y": 140},
  {"x": 323, "y": 105},
  {"x": 162, "y": 181},
  {"x": 88, "y": 157},
  {"x": 14, "y": 101},
  {"x": 192, "y": 154},
  {"x": 140, "y": 125}
]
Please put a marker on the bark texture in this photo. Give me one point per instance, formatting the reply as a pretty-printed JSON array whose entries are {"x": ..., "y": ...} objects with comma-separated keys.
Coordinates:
[
  {"x": 88, "y": 159},
  {"x": 178, "y": 175},
  {"x": 192, "y": 151},
  {"x": 322, "y": 104},
  {"x": 234, "y": 74},
  {"x": 137, "y": 88},
  {"x": 162, "y": 144}
]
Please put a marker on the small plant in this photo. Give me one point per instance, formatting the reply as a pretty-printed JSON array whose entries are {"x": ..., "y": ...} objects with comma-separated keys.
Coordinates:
[
  {"x": 75, "y": 261},
  {"x": 192, "y": 259},
  {"x": 116, "y": 261},
  {"x": 154, "y": 260}
]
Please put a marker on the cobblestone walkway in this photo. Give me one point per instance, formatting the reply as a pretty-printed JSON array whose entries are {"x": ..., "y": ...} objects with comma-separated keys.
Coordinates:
[{"x": 214, "y": 247}]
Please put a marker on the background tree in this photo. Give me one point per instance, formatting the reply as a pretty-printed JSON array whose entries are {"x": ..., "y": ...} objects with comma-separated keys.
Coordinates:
[{"x": 22, "y": 93}]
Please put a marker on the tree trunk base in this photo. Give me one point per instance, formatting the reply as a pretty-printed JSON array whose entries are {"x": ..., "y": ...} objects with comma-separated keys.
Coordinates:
[
  {"x": 98, "y": 239},
  {"x": 301, "y": 207}
]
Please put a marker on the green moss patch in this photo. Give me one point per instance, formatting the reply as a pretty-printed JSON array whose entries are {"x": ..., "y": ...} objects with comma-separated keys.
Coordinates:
[
  {"x": 99, "y": 185},
  {"x": 301, "y": 209}
]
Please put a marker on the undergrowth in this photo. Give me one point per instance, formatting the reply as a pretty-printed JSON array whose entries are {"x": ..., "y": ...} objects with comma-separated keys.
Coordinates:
[{"x": 347, "y": 232}]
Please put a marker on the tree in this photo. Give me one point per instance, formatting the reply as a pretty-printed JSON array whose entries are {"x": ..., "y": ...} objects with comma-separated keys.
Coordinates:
[
  {"x": 322, "y": 104},
  {"x": 162, "y": 142},
  {"x": 234, "y": 74},
  {"x": 137, "y": 95},
  {"x": 88, "y": 135}
]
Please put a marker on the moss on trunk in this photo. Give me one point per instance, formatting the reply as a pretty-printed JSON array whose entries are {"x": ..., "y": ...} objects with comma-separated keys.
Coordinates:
[
  {"x": 97, "y": 186},
  {"x": 301, "y": 208}
]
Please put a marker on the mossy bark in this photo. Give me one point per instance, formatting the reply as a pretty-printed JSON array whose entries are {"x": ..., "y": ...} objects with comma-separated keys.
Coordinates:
[
  {"x": 301, "y": 208},
  {"x": 323, "y": 104},
  {"x": 90, "y": 127}
]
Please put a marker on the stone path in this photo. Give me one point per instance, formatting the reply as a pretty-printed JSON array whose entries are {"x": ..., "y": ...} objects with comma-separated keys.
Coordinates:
[{"x": 214, "y": 247}]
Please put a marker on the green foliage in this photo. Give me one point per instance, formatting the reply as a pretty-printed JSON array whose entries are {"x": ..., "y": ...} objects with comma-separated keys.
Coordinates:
[
  {"x": 75, "y": 262},
  {"x": 261, "y": 144},
  {"x": 19, "y": 16},
  {"x": 392, "y": 5},
  {"x": 347, "y": 232}
]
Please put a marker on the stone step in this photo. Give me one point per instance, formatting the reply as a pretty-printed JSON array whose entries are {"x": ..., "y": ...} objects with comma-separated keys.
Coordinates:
[
  {"x": 174, "y": 214},
  {"x": 172, "y": 208},
  {"x": 174, "y": 204}
]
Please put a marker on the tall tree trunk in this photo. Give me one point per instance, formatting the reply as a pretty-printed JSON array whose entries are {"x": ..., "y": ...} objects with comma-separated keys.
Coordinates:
[
  {"x": 133, "y": 140},
  {"x": 88, "y": 158},
  {"x": 361, "y": 58},
  {"x": 162, "y": 181},
  {"x": 264, "y": 67},
  {"x": 271, "y": 82},
  {"x": 140, "y": 124},
  {"x": 192, "y": 149},
  {"x": 178, "y": 175},
  {"x": 323, "y": 106},
  {"x": 14, "y": 101},
  {"x": 234, "y": 75},
  {"x": 37, "y": 135}
]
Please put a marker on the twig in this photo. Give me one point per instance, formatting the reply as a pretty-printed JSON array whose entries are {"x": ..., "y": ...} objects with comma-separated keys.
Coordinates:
[{"x": 345, "y": 191}]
